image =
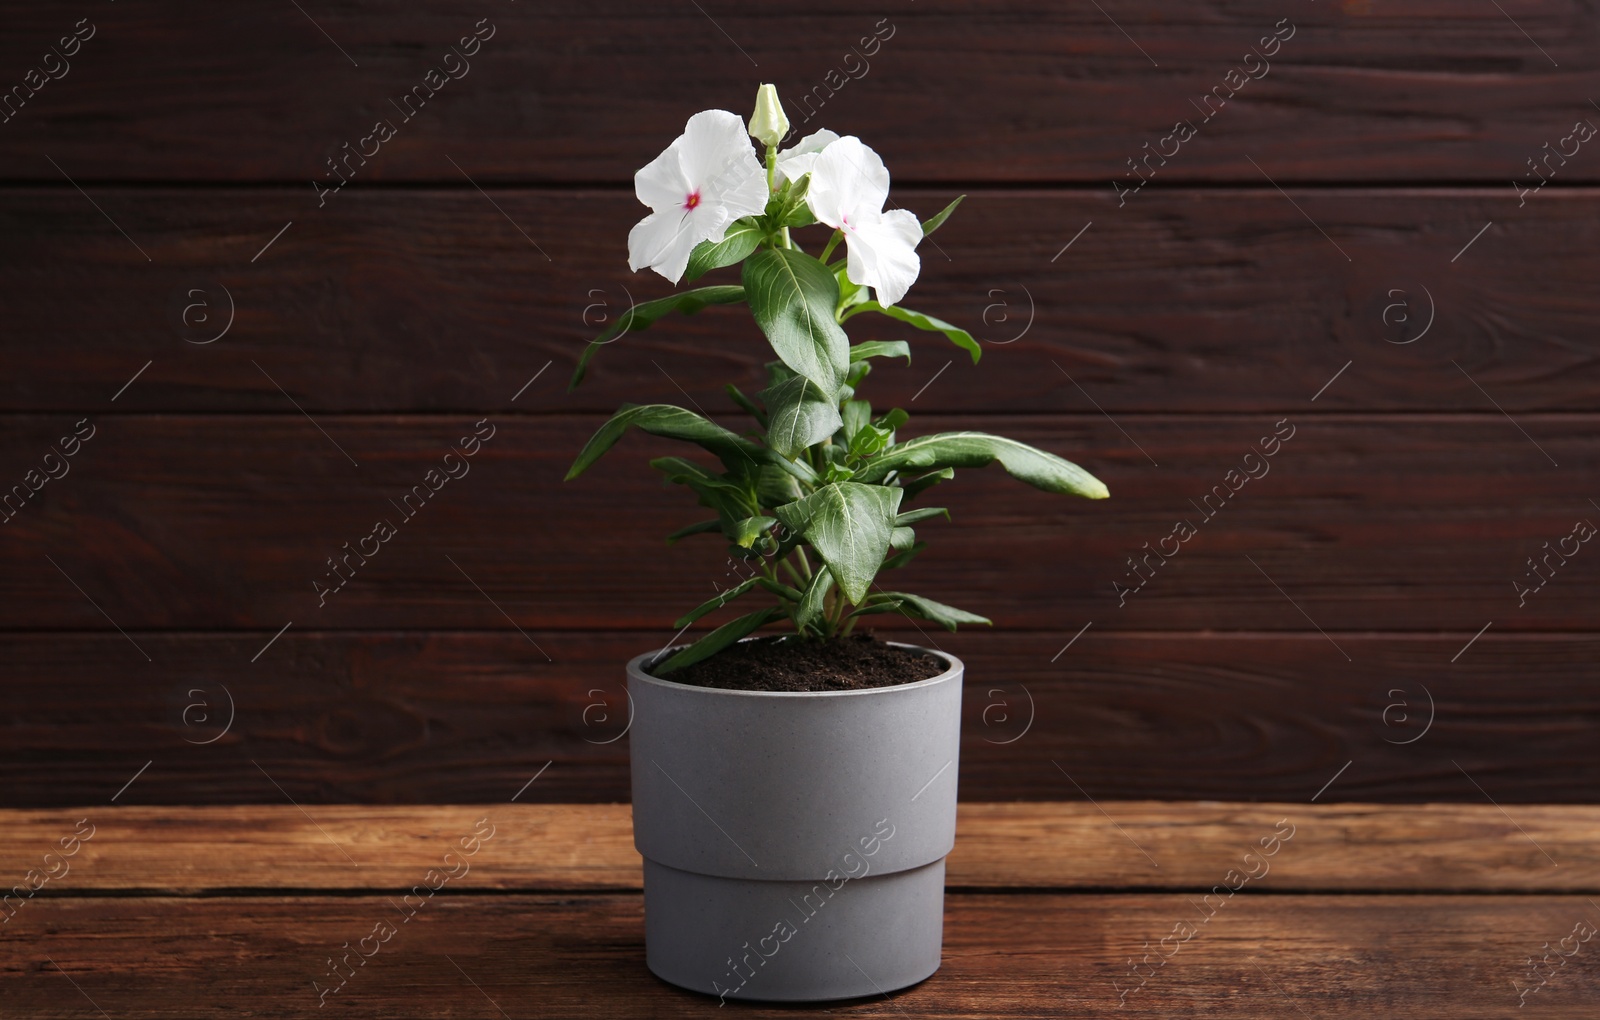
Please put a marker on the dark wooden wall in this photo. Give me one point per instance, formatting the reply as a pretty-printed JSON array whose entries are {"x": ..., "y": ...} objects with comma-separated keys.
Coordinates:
[{"x": 1281, "y": 267}]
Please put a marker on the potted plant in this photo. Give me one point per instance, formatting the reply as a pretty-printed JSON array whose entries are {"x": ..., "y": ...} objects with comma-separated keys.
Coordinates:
[{"x": 794, "y": 797}]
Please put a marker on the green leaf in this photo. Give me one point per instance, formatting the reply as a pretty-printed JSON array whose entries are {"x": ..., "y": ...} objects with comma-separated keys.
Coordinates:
[
  {"x": 916, "y": 485},
  {"x": 723, "y": 598},
  {"x": 811, "y": 605},
  {"x": 800, "y": 416},
  {"x": 892, "y": 419},
  {"x": 743, "y": 237},
  {"x": 679, "y": 470},
  {"x": 736, "y": 452},
  {"x": 958, "y": 336},
  {"x": 857, "y": 413},
  {"x": 902, "y": 558},
  {"x": 913, "y": 516},
  {"x": 880, "y": 349},
  {"x": 641, "y": 316},
  {"x": 792, "y": 297},
  {"x": 868, "y": 441},
  {"x": 731, "y": 501},
  {"x": 915, "y": 605},
  {"x": 802, "y": 471},
  {"x": 717, "y": 640},
  {"x": 796, "y": 212},
  {"x": 745, "y": 532},
  {"x": 975, "y": 449},
  {"x": 687, "y": 472},
  {"x": 901, "y": 539},
  {"x": 779, "y": 588},
  {"x": 852, "y": 378},
  {"x": 870, "y": 437},
  {"x": 713, "y": 604},
  {"x": 749, "y": 405},
  {"x": 777, "y": 372},
  {"x": 937, "y": 221},
  {"x": 850, "y": 294},
  {"x": 775, "y": 487},
  {"x": 695, "y": 529},
  {"x": 849, "y": 524}
]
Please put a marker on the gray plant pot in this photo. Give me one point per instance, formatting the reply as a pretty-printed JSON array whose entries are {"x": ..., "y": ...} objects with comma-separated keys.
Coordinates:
[{"x": 794, "y": 843}]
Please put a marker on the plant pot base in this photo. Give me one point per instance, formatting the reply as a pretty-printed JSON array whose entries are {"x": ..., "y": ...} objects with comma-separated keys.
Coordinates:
[{"x": 793, "y": 941}]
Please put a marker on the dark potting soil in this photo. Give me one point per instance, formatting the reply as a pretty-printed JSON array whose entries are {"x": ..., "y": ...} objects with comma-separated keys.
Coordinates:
[{"x": 853, "y": 663}]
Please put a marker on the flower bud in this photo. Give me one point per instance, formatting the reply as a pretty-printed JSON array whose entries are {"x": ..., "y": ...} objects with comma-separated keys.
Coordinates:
[{"x": 768, "y": 124}]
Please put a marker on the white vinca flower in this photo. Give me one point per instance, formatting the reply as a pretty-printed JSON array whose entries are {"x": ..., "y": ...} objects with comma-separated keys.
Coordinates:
[
  {"x": 707, "y": 178},
  {"x": 797, "y": 160},
  {"x": 849, "y": 185}
]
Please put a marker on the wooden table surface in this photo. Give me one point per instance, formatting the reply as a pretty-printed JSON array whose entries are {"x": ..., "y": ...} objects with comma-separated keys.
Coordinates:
[{"x": 1053, "y": 909}]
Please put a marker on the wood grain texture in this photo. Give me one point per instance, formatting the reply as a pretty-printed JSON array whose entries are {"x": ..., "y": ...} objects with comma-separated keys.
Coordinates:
[
  {"x": 198, "y": 850},
  {"x": 1331, "y": 847},
  {"x": 470, "y": 716},
  {"x": 1026, "y": 92},
  {"x": 1279, "y": 956},
  {"x": 164, "y": 188},
  {"x": 227, "y": 522},
  {"x": 1180, "y": 301}
]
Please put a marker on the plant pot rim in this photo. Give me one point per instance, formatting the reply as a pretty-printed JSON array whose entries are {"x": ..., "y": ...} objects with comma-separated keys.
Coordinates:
[{"x": 636, "y": 671}]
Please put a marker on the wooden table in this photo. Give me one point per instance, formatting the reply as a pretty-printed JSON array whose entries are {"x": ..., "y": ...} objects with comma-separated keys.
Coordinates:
[{"x": 1054, "y": 909}]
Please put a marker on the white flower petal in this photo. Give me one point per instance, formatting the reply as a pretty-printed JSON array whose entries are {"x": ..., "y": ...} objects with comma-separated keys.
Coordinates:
[
  {"x": 797, "y": 161},
  {"x": 883, "y": 255},
  {"x": 663, "y": 240},
  {"x": 792, "y": 168},
  {"x": 711, "y": 222},
  {"x": 720, "y": 164},
  {"x": 849, "y": 184},
  {"x": 816, "y": 141},
  {"x": 741, "y": 191},
  {"x": 661, "y": 184}
]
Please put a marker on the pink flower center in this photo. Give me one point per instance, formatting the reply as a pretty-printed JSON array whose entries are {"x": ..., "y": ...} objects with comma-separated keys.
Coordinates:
[{"x": 692, "y": 201}]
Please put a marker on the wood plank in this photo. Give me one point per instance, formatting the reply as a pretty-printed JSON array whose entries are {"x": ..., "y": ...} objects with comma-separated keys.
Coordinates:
[
  {"x": 1362, "y": 523},
  {"x": 385, "y": 718},
  {"x": 590, "y": 91},
  {"x": 203, "y": 850},
  {"x": 1004, "y": 956},
  {"x": 428, "y": 300},
  {"x": 1329, "y": 847}
]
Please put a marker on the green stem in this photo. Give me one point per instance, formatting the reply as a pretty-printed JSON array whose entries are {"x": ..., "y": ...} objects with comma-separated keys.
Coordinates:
[
  {"x": 798, "y": 580},
  {"x": 786, "y": 242},
  {"x": 839, "y": 606},
  {"x": 833, "y": 242},
  {"x": 805, "y": 564},
  {"x": 772, "y": 165}
]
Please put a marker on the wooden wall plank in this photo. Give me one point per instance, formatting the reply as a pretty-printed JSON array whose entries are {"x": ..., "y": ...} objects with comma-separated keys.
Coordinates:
[
  {"x": 386, "y": 718},
  {"x": 1193, "y": 313},
  {"x": 591, "y": 91},
  {"x": 1182, "y": 301},
  {"x": 1265, "y": 956},
  {"x": 1414, "y": 523},
  {"x": 1049, "y": 845}
]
